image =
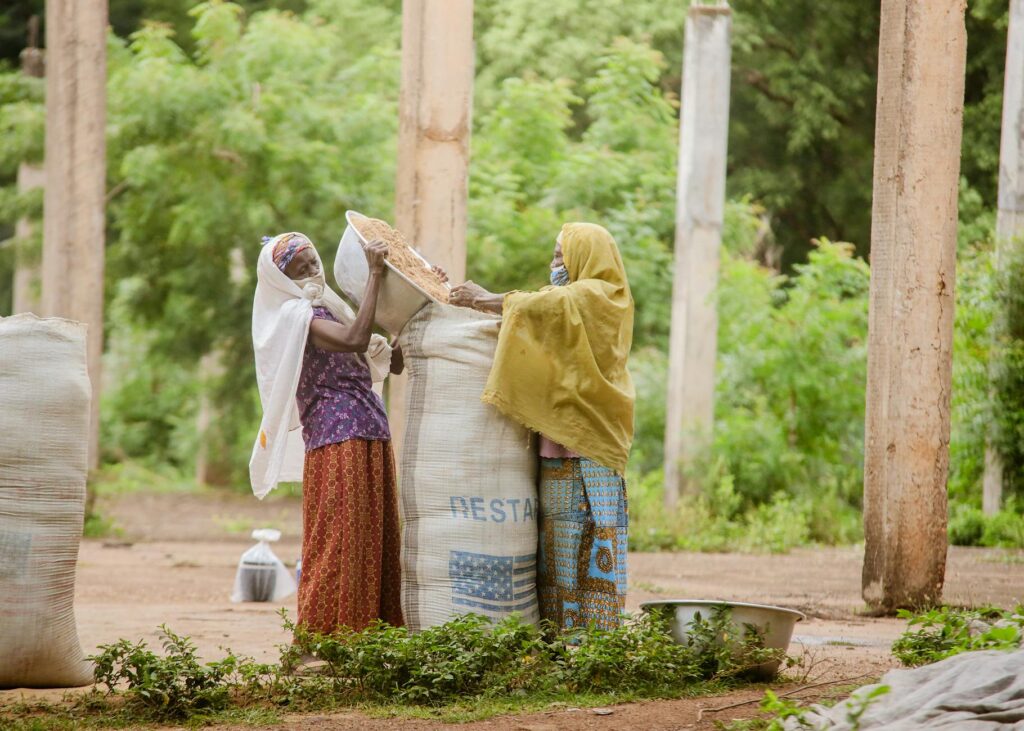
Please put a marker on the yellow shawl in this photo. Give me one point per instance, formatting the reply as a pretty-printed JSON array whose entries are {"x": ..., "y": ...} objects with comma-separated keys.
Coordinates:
[{"x": 560, "y": 366}]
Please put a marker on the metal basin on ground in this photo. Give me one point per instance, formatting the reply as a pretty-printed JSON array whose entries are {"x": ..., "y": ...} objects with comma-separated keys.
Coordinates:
[
  {"x": 774, "y": 624},
  {"x": 399, "y": 299}
]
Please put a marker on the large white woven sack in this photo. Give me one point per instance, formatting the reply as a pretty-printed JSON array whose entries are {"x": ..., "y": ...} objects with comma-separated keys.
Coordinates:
[
  {"x": 44, "y": 430},
  {"x": 468, "y": 479}
]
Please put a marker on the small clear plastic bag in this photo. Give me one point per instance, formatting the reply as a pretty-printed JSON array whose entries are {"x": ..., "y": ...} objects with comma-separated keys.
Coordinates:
[{"x": 261, "y": 575}]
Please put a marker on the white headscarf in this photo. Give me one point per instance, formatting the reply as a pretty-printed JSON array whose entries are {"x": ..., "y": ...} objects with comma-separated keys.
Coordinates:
[{"x": 281, "y": 315}]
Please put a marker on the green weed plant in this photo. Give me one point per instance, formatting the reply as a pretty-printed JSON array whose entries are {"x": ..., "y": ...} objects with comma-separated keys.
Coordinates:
[
  {"x": 466, "y": 662},
  {"x": 940, "y": 633},
  {"x": 794, "y": 715}
]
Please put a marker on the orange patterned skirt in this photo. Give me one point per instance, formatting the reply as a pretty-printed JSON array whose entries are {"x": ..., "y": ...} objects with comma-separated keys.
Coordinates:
[{"x": 351, "y": 571}]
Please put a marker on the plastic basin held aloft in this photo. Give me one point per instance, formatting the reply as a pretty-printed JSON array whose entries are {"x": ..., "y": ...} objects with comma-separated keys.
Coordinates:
[{"x": 399, "y": 298}]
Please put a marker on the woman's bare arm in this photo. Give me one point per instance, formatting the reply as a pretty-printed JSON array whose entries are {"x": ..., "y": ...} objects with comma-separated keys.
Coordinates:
[
  {"x": 473, "y": 295},
  {"x": 354, "y": 338}
]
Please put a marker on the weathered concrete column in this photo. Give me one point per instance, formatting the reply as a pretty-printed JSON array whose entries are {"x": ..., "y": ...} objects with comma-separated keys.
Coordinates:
[
  {"x": 922, "y": 52},
  {"x": 700, "y": 204},
  {"x": 435, "y": 114},
  {"x": 1010, "y": 216},
  {"x": 73, "y": 205},
  {"x": 26, "y": 269},
  {"x": 209, "y": 368},
  {"x": 30, "y": 176}
]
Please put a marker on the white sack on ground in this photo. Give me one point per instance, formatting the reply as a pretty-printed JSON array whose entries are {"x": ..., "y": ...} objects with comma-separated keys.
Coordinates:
[
  {"x": 44, "y": 441},
  {"x": 261, "y": 575},
  {"x": 468, "y": 479},
  {"x": 974, "y": 691}
]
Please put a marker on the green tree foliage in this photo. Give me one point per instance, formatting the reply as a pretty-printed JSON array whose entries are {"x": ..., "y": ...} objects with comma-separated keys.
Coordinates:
[
  {"x": 971, "y": 411},
  {"x": 789, "y": 411},
  {"x": 565, "y": 39},
  {"x": 939, "y": 633},
  {"x": 803, "y": 93},
  {"x": 530, "y": 175},
  {"x": 125, "y": 17},
  {"x": 14, "y": 16},
  {"x": 987, "y": 23},
  {"x": 279, "y": 123},
  {"x": 21, "y": 128},
  {"x": 799, "y": 405},
  {"x": 1008, "y": 366},
  {"x": 803, "y": 85},
  {"x": 801, "y": 134}
]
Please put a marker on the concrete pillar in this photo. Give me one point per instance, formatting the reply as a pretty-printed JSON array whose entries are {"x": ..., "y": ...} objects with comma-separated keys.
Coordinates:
[
  {"x": 209, "y": 368},
  {"x": 435, "y": 115},
  {"x": 73, "y": 206},
  {"x": 1010, "y": 215},
  {"x": 700, "y": 205},
  {"x": 922, "y": 52},
  {"x": 26, "y": 268},
  {"x": 30, "y": 176}
]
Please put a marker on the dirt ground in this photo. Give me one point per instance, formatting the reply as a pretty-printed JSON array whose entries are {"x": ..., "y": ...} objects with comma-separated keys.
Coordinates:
[{"x": 175, "y": 560}]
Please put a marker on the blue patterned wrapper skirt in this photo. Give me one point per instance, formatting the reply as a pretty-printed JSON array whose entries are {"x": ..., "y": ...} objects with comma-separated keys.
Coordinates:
[{"x": 584, "y": 521}]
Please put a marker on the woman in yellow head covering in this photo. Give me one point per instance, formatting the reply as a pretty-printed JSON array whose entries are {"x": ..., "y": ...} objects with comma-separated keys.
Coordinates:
[{"x": 560, "y": 370}]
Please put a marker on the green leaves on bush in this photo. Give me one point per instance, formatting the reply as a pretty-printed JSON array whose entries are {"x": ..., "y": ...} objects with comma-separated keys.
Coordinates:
[
  {"x": 785, "y": 464},
  {"x": 468, "y": 656},
  {"x": 719, "y": 520},
  {"x": 172, "y": 685},
  {"x": 1008, "y": 365},
  {"x": 941, "y": 633},
  {"x": 466, "y": 659},
  {"x": 969, "y": 526},
  {"x": 792, "y": 367}
]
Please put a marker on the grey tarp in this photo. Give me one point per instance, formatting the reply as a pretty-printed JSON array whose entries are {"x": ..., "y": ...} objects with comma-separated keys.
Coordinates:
[{"x": 974, "y": 691}]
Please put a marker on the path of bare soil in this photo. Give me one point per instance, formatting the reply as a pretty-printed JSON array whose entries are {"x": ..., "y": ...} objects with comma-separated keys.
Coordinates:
[{"x": 174, "y": 564}]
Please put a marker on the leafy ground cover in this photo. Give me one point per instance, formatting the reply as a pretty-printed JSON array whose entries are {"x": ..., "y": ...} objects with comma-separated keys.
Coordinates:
[{"x": 467, "y": 668}]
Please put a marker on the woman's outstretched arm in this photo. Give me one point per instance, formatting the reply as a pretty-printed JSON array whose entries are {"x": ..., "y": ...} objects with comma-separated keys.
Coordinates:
[
  {"x": 354, "y": 338},
  {"x": 473, "y": 295}
]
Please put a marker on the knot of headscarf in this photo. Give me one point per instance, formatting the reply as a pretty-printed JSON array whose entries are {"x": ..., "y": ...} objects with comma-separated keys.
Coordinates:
[
  {"x": 314, "y": 292},
  {"x": 286, "y": 246}
]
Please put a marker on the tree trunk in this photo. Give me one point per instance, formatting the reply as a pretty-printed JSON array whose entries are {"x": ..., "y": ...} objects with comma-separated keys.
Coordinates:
[
  {"x": 700, "y": 203},
  {"x": 922, "y": 52},
  {"x": 73, "y": 206},
  {"x": 435, "y": 111}
]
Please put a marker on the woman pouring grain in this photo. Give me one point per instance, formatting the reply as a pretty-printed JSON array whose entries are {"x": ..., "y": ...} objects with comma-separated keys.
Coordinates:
[{"x": 316, "y": 363}]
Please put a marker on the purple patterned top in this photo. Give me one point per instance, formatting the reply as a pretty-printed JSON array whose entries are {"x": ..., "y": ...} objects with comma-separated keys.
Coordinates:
[{"x": 335, "y": 396}]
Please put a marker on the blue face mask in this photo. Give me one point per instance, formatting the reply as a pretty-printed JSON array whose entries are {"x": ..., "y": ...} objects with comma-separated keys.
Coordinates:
[{"x": 560, "y": 276}]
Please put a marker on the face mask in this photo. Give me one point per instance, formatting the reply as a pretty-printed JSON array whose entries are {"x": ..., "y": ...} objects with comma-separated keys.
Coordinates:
[
  {"x": 317, "y": 281},
  {"x": 560, "y": 276}
]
